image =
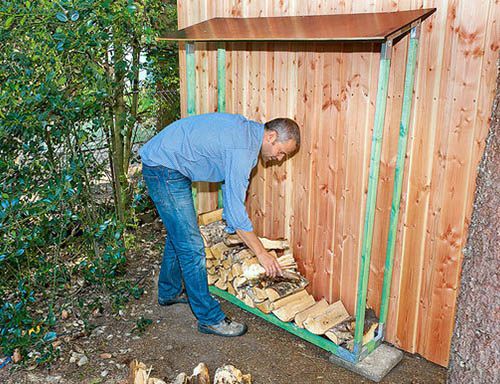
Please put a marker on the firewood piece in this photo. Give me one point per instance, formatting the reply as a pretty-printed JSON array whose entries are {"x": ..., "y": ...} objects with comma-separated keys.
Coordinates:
[
  {"x": 265, "y": 306},
  {"x": 274, "y": 244},
  {"x": 342, "y": 332},
  {"x": 252, "y": 269},
  {"x": 287, "y": 312},
  {"x": 232, "y": 240},
  {"x": 228, "y": 374},
  {"x": 315, "y": 310},
  {"x": 218, "y": 250},
  {"x": 248, "y": 301},
  {"x": 213, "y": 233},
  {"x": 212, "y": 279},
  {"x": 243, "y": 255},
  {"x": 370, "y": 334},
  {"x": 138, "y": 373},
  {"x": 259, "y": 293},
  {"x": 181, "y": 378},
  {"x": 286, "y": 300},
  {"x": 221, "y": 284},
  {"x": 208, "y": 253},
  {"x": 230, "y": 289},
  {"x": 239, "y": 281},
  {"x": 200, "y": 375},
  {"x": 321, "y": 323},
  {"x": 154, "y": 380},
  {"x": 236, "y": 269},
  {"x": 292, "y": 283},
  {"x": 210, "y": 217}
]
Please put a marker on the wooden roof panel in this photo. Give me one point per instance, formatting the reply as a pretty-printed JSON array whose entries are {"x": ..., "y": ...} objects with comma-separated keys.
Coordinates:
[{"x": 343, "y": 27}]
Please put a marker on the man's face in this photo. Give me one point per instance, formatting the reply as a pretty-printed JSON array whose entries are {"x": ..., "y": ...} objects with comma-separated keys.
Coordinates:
[{"x": 272, "y": 150}]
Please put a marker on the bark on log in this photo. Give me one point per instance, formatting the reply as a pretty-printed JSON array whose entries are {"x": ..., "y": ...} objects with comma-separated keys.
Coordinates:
[{"x": 475, "y": 348}]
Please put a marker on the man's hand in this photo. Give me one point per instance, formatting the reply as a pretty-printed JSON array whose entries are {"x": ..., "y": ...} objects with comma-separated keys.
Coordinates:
[{"x": 270, "y": 264}]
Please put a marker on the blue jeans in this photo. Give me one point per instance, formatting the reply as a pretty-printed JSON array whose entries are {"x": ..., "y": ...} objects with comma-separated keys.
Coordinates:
[{"x": 184, "y": 256}]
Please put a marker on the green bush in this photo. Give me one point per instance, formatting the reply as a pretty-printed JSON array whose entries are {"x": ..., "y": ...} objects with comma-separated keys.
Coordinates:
[{"x": 63, "y": 89}]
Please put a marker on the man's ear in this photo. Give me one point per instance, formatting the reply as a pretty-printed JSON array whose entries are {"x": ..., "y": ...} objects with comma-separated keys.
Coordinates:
[{"x": 272, "y": 136}]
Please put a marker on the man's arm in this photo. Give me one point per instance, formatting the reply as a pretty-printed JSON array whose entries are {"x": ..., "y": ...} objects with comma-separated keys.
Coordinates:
[
  {"x": 237, "y": 173},
  {"x": 268, "y": 261}
]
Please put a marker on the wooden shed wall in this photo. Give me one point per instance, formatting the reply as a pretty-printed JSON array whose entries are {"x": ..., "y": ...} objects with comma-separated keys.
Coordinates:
[{"x": 317, "y": 198}]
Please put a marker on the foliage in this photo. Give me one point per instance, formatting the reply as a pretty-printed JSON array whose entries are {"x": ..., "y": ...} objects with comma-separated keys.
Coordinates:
[{"x": 72, "y": 75}]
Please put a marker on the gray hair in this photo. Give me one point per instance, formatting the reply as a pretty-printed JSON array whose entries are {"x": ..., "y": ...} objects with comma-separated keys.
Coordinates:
[{"x": 286, "y": 129}]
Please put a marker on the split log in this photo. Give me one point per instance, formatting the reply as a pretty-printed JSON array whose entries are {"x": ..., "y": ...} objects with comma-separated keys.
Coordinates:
[
  {"x": 200, "y": 375},
  {"x": 289, "y": 299},
  {"x": 212, "y": 279},
  {"x": 287, "y": 312},
  {"x": 315, "y": 310},
  {"x": 213, "y": 233},
  {"x": 231, "y": 289},
  {"x": 181, "y": 378},
  {"x": 274, "y": 244},
  {"x": 237, "y": 270},
  {"x": 285, "y": 286},
  {"x": 232, "y": 240},
  {"x": 259, "y": 293},
  {"x": 218, "y": 250},
  {"x": 208, "y": 253},
  {"x": 342, "y": 334},
  {"x": 239, "y": 281},
  {"x": 265, "y": 306},
  {"x": 139, "y": 374},
  {"x": 228, "y": 374},
  {"x": 321, "y": 323},
  {"x": 221, "y": 284},
  {"x": 268, "y": 244},
  {"x": 243, "y": 255},
  {"x": 210, "y": 217}
]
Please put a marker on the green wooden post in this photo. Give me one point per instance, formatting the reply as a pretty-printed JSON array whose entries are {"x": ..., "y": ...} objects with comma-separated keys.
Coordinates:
[
  {"x": 191, "y": 96},
  {"x": 378, "y": 128},
  {"x": 221, "y": 97},
  {"x": 398, "y": 175}
]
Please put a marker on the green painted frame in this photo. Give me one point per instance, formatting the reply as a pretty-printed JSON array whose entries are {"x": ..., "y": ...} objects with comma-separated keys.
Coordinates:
[
  {"x": 221, "y": 98},
  {"x": 191, "y": 96},
  {"x": 360, "y": 351}
]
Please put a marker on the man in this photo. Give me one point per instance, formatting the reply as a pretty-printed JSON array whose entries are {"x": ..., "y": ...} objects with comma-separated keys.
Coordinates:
[{"x": 212, "y": 147}]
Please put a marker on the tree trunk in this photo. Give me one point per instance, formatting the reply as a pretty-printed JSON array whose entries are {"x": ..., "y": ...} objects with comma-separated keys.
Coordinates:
[
  {"x": 120, "y": 181},
  {"x": 475, "y": 349}
]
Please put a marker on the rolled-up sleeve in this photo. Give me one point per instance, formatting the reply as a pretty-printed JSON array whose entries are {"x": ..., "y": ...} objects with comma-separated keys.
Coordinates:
[{"x": 238, "y": 165}]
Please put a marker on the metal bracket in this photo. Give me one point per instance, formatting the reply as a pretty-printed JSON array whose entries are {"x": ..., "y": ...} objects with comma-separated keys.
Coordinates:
[{"x": 386, "y": 51}]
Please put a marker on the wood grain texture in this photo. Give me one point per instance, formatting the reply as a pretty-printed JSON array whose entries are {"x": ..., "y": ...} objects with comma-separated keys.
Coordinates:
[
  {"x": 345, "y": 27},
  {"x": 317, "y": 198}
]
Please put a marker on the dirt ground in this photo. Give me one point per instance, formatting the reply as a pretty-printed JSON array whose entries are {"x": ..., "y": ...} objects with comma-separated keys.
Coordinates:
[{"x": 171, "y": 344}]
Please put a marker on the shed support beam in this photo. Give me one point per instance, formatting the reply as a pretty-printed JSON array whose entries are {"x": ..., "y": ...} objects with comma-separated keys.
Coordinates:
[
  {"x": 221, "y": 98},
  {"x": 378, "y": 128},
  {"x": 191, "y": 96},
  {"x": 398, "y": 175}
]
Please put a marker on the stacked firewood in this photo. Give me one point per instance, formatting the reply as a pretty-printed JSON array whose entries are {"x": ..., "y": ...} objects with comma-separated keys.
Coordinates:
[{"x": 234, "y": 267}]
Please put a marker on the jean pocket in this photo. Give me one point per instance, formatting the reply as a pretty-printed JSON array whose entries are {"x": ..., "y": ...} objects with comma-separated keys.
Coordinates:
[
  {"x": 155, "y": 188},
  {"x": 175, "y": 176}
]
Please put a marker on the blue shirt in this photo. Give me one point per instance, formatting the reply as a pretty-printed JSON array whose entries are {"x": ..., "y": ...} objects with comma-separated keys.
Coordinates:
[{"x": 212, "y": 147}]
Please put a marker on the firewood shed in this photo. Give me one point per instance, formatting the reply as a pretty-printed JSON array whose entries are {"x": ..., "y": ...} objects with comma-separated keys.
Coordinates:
[{"x": 381, "y": 30}]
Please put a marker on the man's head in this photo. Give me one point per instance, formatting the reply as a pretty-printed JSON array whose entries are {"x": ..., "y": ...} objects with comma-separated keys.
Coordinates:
[{"x": 281, "y": 139}]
